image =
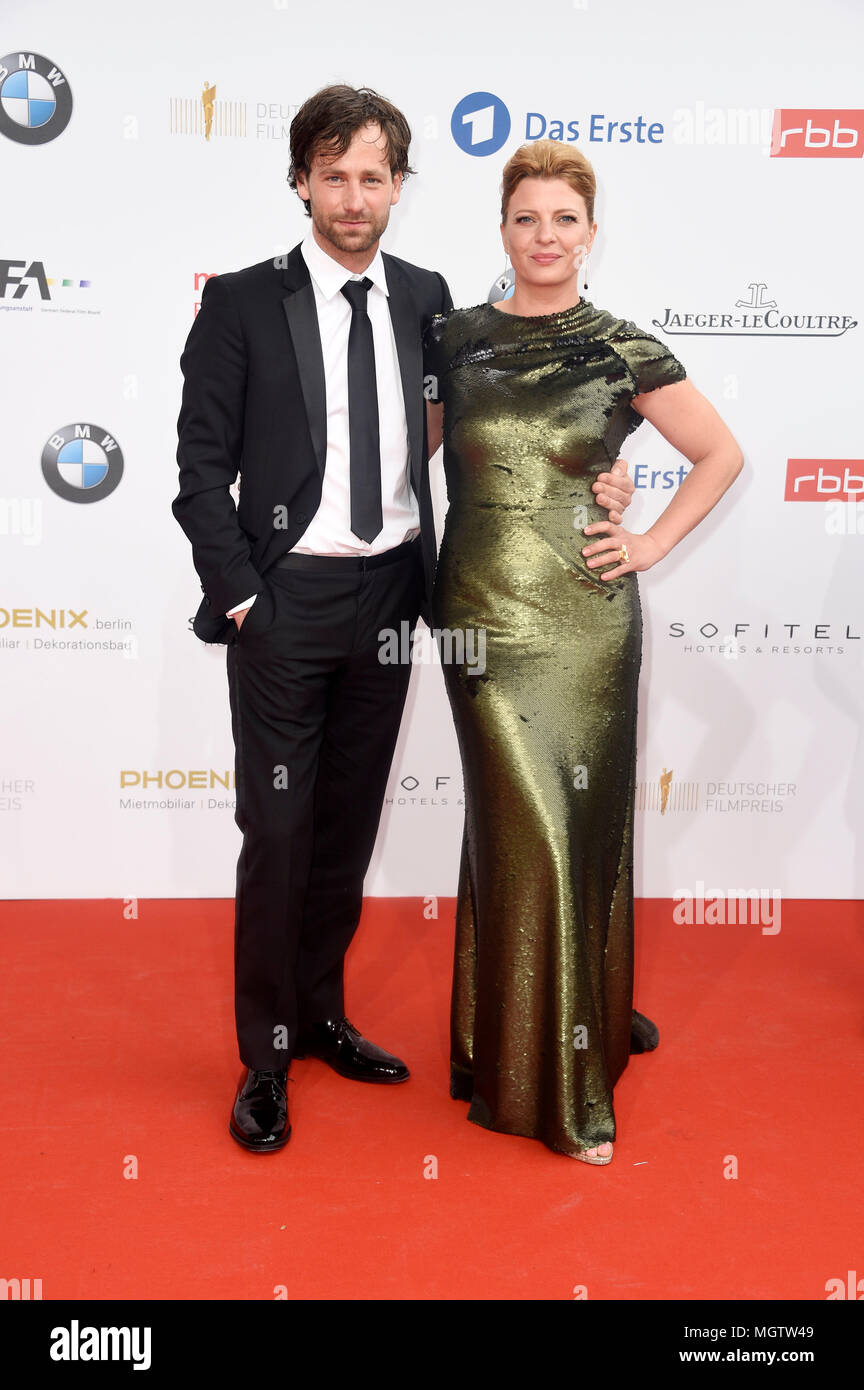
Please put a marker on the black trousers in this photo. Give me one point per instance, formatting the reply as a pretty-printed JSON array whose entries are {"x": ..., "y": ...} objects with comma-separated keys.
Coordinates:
[{"x": 315, "y": 715}]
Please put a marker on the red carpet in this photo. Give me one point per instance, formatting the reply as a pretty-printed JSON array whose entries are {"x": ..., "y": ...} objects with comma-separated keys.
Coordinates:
[{"x": 760, "y": 1058}]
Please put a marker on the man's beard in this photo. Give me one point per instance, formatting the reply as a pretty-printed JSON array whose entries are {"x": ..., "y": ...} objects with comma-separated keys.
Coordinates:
[{"x": 356, "y": 239}]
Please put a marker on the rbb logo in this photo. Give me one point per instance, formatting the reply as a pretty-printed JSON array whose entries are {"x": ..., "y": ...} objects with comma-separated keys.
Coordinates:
[
  {"x": 816, "y": 480},
  {"x": 818, "y": 135}
]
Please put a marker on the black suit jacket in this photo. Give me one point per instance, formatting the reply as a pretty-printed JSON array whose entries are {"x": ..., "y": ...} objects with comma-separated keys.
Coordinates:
[{"x": 254, "y": 404}]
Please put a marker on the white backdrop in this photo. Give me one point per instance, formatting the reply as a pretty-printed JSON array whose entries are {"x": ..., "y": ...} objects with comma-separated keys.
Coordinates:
[{"x": 114, "y": 758}]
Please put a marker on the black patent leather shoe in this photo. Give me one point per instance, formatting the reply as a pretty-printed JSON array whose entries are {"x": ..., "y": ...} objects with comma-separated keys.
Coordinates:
[
  {"x": 339, "y": 1044},
  {"x": 259, "y": 1120},
  {"x": 644, "y": 1035}
]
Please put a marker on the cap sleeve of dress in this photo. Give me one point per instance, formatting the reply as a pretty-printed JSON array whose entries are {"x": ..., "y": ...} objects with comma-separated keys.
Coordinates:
[
  {"x": 649, "y": 361},
  {"x": 435, "y": 362}
]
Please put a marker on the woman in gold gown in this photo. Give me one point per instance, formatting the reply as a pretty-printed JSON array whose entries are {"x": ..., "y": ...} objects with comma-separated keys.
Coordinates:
[{"x": 538, "y": 393}]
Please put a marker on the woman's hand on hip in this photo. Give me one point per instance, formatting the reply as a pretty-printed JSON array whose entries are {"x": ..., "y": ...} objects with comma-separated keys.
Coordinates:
[
  {"x": 641, "y": 551},
  {"x": 614, "y": 490}
]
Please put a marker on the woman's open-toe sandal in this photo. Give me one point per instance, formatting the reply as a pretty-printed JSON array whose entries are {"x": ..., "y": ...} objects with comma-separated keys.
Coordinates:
[{"x": 586, "y": 1156}]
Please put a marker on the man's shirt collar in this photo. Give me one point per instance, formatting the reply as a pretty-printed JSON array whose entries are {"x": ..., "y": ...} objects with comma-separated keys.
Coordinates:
[{"x": 330, "y": 276}]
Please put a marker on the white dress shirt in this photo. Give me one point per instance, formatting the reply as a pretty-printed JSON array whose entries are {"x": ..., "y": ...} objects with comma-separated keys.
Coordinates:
[{"x": 329, "y": 532}]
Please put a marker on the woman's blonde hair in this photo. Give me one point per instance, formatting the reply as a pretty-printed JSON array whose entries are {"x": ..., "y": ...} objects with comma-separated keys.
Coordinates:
[{"x": 549, "y": 159}]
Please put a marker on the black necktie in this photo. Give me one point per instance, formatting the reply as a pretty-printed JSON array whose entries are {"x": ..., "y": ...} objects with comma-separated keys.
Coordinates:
[{"x": 366, "y": 518}]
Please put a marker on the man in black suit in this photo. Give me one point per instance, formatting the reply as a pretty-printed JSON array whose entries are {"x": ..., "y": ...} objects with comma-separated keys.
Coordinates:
[{"x": 305, "y": 375}]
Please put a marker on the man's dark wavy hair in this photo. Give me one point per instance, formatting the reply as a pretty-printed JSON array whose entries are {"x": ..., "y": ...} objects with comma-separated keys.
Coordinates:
[{"x": 329, "y": 120}]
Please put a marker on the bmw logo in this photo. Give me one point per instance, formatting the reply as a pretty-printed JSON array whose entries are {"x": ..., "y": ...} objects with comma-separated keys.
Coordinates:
[
  {"x": 82, "y": 463},
  {"x": 35, "y": 99}
]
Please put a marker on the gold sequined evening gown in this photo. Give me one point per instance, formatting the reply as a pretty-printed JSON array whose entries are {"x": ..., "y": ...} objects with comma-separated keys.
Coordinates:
[{"x": 534, "y": 409}]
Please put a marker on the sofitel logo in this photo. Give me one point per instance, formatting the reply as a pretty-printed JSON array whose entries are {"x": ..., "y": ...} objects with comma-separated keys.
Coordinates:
[
  {"x": 745, "y": 638},
  {"x": 411, "y": 791},
  {"x": 754, "y": 314}
]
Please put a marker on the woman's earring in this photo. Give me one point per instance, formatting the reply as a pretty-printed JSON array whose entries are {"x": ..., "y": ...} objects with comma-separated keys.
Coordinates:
[{"x": 502, "y": 287}]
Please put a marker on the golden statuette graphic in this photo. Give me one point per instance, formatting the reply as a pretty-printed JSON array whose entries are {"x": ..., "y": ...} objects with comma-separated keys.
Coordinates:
[{"x": 208, "y": 97}]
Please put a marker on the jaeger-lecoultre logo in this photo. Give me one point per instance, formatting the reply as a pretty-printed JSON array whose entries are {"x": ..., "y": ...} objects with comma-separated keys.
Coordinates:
[{"x": 754, "y": 314}]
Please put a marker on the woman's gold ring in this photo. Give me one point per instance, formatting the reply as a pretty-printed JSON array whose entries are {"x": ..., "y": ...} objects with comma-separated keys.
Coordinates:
[{"x": 624, "y": 554}]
